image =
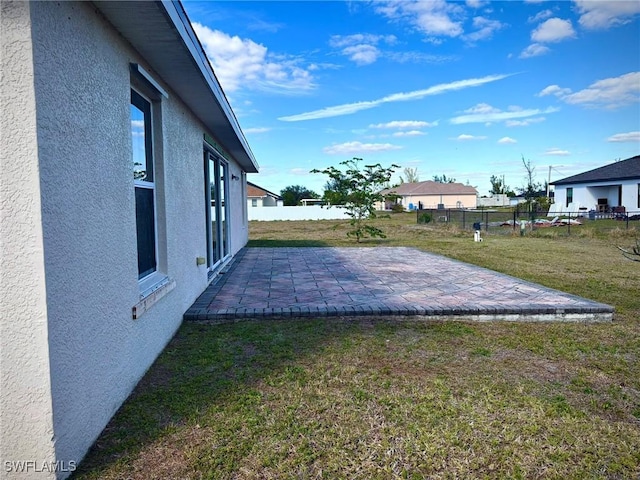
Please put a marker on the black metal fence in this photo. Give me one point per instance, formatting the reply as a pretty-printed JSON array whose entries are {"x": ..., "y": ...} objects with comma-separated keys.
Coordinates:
[{"x": 510, "y": 221}]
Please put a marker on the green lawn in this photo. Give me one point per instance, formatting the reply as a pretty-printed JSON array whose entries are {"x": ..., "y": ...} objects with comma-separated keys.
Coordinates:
[{"x": 375, "y": 399}]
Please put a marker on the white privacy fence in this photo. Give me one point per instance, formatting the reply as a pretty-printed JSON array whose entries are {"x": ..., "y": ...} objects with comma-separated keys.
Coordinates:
[{"x": 311, "y": 212}]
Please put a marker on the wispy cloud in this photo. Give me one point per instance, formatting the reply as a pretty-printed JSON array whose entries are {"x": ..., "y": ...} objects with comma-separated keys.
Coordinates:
[
  {"x": 625, "y": 137},
  {"x": 484, "y": 113},
  {"x": 350, "y": 108},
  {"x": 524, "y": 123},
  {"x": 241, "y": 62},
  {"x": 404, "y": 124},
  {"x": 534, "y": 50},
  {"x": 435, "y": 18},
  {"x": 542, "y": 15},
  {"x": 361, "y": 48},
  {"x": 608, "y": 93},
  {"x": 410, "y": 133},
  {"x": 358, "y": 147},
  {"x": 466, "y": 138},
  {"x": 507, "y": 140},
  {"x": 256, "y": 130},
  {"x": 557, "y": 152},
  {"x": 484, "y": 29}
]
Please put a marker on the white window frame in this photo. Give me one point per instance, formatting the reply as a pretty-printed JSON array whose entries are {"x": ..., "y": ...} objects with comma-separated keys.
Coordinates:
[{"x": 149, "y": 90}]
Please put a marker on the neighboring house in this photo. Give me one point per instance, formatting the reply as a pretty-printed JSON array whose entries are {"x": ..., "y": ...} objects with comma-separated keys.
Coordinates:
[
  {"x": 614, "y": 187},
  {"x": 259, "y": 197},
  {"x": 432, "y": 194},
  {"x": 495, "y": 200},
  {"x": 123, "y": 193}
]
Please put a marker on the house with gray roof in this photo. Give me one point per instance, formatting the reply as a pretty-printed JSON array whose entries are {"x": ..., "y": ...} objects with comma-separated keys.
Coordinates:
[{"x": 611, "y": 188}]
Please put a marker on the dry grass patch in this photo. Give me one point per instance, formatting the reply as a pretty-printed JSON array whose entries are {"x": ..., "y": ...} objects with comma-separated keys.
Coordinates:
[{"x": 373, "y": 399}]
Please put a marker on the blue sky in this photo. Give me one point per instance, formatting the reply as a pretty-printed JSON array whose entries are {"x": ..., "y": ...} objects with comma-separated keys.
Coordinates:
[{"x": 459, "y": 88}]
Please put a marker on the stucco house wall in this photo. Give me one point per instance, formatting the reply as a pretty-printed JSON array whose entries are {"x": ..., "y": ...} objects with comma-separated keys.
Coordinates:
[
  {"x": 618, "y": 183},
  {"x": 588, "y": 195},
  {"x": 432, "y": 201},
  {"x": 71, "y": 350},
  {"x": 26, "y": 414}
]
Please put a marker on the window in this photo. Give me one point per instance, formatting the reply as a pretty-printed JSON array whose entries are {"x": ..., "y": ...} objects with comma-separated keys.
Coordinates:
[
  {"x": 569, "y": 196},
  {"x": 144, "y": 183},
  {"x": 254, "y": 202}
]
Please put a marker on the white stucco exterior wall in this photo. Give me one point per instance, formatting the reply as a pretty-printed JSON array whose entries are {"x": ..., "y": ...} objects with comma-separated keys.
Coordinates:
[
  {"x": 26, "y": 414},
  {"x": 588, "y": 195},
  {"x": 71, "y": 352}
]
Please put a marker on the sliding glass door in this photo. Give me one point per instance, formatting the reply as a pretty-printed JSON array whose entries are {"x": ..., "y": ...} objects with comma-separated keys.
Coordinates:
[{"x": 217, "y": 208}]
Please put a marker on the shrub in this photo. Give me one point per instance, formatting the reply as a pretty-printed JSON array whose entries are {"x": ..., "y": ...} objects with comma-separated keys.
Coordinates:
[{"x": 424, "y": 218}]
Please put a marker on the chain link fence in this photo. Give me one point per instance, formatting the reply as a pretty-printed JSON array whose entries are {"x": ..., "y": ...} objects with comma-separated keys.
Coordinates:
[{"x": 509, "y": 221}]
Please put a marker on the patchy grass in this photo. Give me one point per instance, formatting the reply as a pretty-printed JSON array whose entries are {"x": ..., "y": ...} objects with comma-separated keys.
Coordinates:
[{"x": 374, "y": 399}]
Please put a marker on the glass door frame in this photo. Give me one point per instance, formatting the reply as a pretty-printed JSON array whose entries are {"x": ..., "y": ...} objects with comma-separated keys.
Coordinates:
[{"x": 216, "y": 175}]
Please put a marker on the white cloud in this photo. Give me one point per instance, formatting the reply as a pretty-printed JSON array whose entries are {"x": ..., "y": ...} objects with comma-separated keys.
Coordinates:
[
  {"x": 465, "y": 138},
  {"x": 420, "y": 57},
  {"x": 506, "y": 140},
  {"x": 341, "y": 41},
  {"x": 524, "y": 123},
  {"x": 256, "y": 130},
  {"x": 475, "y": 3},
  {"x": 598, "y": 15},
  {"x": 534, "y": 50},
  {"x": 557, "y": 152},
  {"x": 361, "y": 48},
  {"x": 410, "y": 133},
  {"x": 554, "y": 90},
  {"x": 358, "y": 147},
  {"x": 362, "y": 54},
  {"x": 608, "y": 93},
  {"x": 137, "y": 124},
  {"x": 485, "y": 28},
  {"x": 299, "y": 171},
  {"x": 349, "y": 108},
  {"x": 482, "y": 108},
  {"x": 404, "y": 124},
  {"x": 625, "y": 137},
  {"x": 244, "y": 63},
  {"x": 494, "y": 115},
  {"x": 435, "y": 18},
  {"x": 553, "y": 30},
  {"x": 543, "y": 15}
]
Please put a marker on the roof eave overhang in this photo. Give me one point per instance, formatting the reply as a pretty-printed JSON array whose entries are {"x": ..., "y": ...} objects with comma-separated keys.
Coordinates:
[
  {"x": 161, "y": 32},
  {"x": 588, "y": 182}
]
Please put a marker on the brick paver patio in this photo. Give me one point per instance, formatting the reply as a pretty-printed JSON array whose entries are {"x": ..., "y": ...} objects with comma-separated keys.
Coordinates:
[{"x": 378, "y": 282}]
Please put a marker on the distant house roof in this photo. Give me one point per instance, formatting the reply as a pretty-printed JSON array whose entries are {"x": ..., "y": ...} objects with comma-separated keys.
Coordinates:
[
  {"x": 254, "y": 190},
  {"x": 430, "y": 187},
  {"x": 622, "y": 170}
]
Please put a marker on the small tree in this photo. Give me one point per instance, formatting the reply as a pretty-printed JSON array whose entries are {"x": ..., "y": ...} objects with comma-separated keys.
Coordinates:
[
  {"x": 498, "y": 186},
  {"x": 443, "y": 179},
  {"x": 361, "y": 188},
  {"x": 410, "y": 175},
  {"x": 336, "y": 191},
  {"x": 292, "y": 194}
]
